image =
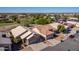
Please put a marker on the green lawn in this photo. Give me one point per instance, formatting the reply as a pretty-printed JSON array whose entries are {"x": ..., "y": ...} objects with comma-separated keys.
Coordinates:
[{"x": 6, "y": 24}]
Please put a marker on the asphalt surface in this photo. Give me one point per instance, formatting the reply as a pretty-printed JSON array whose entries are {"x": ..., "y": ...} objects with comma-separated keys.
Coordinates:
[{"x": 71, "y": 44}]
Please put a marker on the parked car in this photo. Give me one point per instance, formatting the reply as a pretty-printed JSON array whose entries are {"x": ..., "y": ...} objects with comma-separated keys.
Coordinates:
[
  {"x": 77, "y": 31},
  {"x": 4, "y": 35},
  {"x": 71, "y": 36}
]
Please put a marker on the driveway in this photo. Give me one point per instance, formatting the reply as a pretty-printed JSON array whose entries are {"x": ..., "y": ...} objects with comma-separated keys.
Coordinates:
[{"x": 38, "y": 46}]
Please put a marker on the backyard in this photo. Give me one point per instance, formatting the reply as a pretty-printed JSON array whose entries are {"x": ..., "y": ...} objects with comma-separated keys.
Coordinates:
[{"x": 7, "y": 26}]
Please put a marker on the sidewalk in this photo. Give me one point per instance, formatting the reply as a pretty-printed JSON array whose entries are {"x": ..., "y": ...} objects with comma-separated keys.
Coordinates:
[
  {"x": 38, "y": 46},
  {"x": 54, "y": 42},
  {"x": 27, "y": 49}
]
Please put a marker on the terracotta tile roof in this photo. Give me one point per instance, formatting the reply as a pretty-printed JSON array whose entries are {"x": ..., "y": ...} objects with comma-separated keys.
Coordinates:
[{"x": 45, "y": 29}]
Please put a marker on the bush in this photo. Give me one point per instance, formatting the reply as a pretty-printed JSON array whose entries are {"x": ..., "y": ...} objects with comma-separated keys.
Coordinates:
[
  {"x": 5, "y": 21},
  {"x": 25, "y": 22},
  {"x": 16, "y": 40},
  {"x": 36, "y": 20},
  {"x": 13, "y": 18},
  {"x": 41, "y": 21},
  {"x": 61, "y": 28},
  {"x": 18, "y": 21}
]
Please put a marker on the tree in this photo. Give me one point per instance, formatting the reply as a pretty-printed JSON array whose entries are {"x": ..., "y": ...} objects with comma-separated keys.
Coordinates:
[
  {"x": 58, "y": 27},
  {"x": 38, "y": 19},
  {"x": 13, "y": 18},
  {"x": 50, "y": 20},
  {"x": 18, "y": 21},
  {"x": 42, "y": 21},
  {"x": 61, "y": 28}
]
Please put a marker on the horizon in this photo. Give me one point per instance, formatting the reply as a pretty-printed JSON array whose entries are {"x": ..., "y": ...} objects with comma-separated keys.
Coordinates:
[{"x": 39, "y": 9}]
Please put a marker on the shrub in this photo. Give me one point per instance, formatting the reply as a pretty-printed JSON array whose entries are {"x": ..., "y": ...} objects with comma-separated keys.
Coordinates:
[
  {"x": 61, "y": 28},
  {"x": 18, "y": 21},
  {"x": 41, "y": 21}
]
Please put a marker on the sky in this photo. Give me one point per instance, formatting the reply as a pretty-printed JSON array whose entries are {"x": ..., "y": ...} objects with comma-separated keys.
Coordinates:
[{"x": 39, "y": 9}]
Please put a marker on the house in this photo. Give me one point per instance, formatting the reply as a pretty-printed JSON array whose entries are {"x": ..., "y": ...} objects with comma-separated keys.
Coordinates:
[
  {"x": 17, "y": 32},
  {"x": 5, "y": 42},
  {"x": 21, "y": 16},
  {"x": 27, "y": 36},
  {"x": 77, "y": 24},
  {"x": 44, "y": 30},
  {"x": 31, "y": 37},
  {"x": 2, "y": 17},
  {"x": 24, "y": 37},
  {"x": 55, "y": 25},
  {"x": 73, "y": 23},
  {"x": 72, "y": 18},
  {"x": 52, "y": 17}
]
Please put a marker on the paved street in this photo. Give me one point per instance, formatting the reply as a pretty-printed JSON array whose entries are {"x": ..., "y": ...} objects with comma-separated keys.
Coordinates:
[{"x": 69, "y": 44}]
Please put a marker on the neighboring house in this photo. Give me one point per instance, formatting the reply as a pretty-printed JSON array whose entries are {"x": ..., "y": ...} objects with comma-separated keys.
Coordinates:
[
  {"x": 72, "y": 18},
  {"x": 5, "y": 42},
  {"x": 21, "y": 16},
  {"x": 52, "y": 17},
  {"x": 62, "y": 21},
  {"x": 2, "y": 17},
  {"x": 73, "y": 23},
  {"x": 44, "y": 30},
  {"x": 17, "y": 32},
  {"x": 55, "y": 25},
  {"x": 77, "y": 24}
]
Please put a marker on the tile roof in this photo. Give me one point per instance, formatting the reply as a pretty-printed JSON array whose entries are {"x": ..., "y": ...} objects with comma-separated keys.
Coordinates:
[
  {"x": 45, "y": 29},
  {"x": 54, "y": 25},
  {"x": 26, "y": 34},
  {"x": 30, "y": 36},
  {"x": 18, "y": 31}
]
